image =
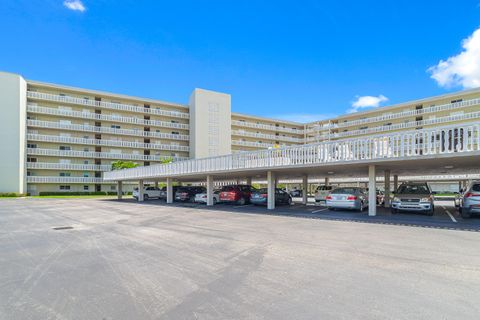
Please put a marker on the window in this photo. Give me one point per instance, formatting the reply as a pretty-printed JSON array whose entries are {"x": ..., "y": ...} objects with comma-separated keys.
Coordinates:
[
  {"x": 85, "y": 175},
  {"x": 85, "y": 161},
  {"x": 85, "y": 188},
  {"x": 113, "y": 188},
  {"x": 114, "y": 126},
  {"x": 64, "y": 161},
  {"x": 175, "y": 132},
  {"x": 65, "y": 174},
  {"x": 31, "y": 159},
  {"x": 31, "y": 145},
  {"x": 65, "y": 148},
  {"x": 458, "y": 100},
  {"x": 65, "y": 188},
  {"x": 86, "y": 150}
]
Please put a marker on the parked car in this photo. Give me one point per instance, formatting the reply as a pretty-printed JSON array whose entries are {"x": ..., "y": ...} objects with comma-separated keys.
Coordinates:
[
  {"x": 163, "y": 192},
  {"x": 347, "y": 198},
  {"x": 239, "y": 194},
  {"x": 202, "y": 197},
  {"x": 470, "y": 200},
  {"x": 188, "y": 193},
  {"x": 148, "y": 193},
  {"x": 322, "y": 192},
  {"x": 413, "y": 196},
  {"x": 296, "y": 193},
  {"x": 380, "y": 197},
  {"x": 260, "y": 197}
]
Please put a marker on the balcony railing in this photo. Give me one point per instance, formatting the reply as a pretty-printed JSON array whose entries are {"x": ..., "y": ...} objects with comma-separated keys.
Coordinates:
[
  {"x": 451, "y": 141},
  {"x": 110, "y": 143},
  {"x": 252, "y": 144},
  {"x": 266, "y": 136},
  {"x": 90, "y": 128},
  {"x": 400, "y": 126},
  {"x": 67, "y": 166},
  {"x": 46, "y": 179},
  {"x": 265, "y": 127},
  {"x": 97, "y": 155},
  {"x": 103, "y": 117},
  {"x": 108, "y": 105}
]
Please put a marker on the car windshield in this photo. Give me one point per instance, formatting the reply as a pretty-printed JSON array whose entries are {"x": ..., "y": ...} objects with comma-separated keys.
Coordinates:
[
  {"x": 476, "y": 187},
  {"x": 262, "y": 190},
  {"x": 345, "y": 191},
  {"x": 413, "y": 189}
]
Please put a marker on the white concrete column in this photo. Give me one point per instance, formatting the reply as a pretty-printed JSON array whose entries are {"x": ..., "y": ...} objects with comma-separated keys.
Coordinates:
[
  {"x": 140, "y": 190},
  {"x": 249, "y": 181},
  {"x": 387, "y": 188},
  {"x": 270, "y": 190},
  {"x": 305, "y": 190},
  {"x": 209, "y": 190},
  {"x": 372, "y": 191},
  {"x": 395, "y": 183},
  {"x": 156, "y": 184},
  {"x": 119, "y": 190},
  {"x": 169, "y": 190},
  {"x": 327, "y": 181}
]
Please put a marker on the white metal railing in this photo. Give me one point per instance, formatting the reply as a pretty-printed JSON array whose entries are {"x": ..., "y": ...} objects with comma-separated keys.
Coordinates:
[
  {"x": 252, "y": 144},
  {"x": 266, "y": 136},
  {"x": 413, "y": 113},
  {"x": 46, "y": 179},
  {"x": 67, "y": 166},
  {"x": 110, "y": 143},
  {"x": 103, "y": 117},
  {"x": 451, "y": 140},
  {"x": 108, "y": 105},
  {"x": 399, "y": 126},
  {"x": 90, "y": 128},
  {"x": 266, "y": 126},
  {"x": 98, "y": 155}
]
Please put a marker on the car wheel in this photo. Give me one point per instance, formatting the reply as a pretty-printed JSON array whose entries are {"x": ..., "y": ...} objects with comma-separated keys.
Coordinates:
[
  {"x": 289, "y": 201},
  {"x": 361, "y": 207},
  {"x": 191, "y": 199},
  {"x": 214, "y": 200},
  {"x": 393, "y": 211},
  {"x": 431, "y": 212},
  {"x": 465, "y": 214},
  {"x": 331, "y": 208},
  {"x": 241, "y": 202},
  {"x": 145, "y": 197}
]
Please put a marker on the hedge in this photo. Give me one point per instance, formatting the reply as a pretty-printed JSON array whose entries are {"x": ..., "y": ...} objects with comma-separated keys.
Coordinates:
[{"x": 11, "y": 195}]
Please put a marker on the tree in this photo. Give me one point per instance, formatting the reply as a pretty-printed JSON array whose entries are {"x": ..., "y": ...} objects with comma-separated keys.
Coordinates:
[
  {"x": 119, "y": 165},
  {"x": 166, "y": 160}
]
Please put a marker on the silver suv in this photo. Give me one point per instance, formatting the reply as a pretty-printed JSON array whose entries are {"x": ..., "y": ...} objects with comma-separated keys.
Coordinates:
[
  {"x": 470, "y": 200},
  {"x": 413, "y": 196}
]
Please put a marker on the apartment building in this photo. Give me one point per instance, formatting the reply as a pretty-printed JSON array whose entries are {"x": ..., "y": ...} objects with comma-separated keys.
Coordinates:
[{"x": 59, "y": 138}]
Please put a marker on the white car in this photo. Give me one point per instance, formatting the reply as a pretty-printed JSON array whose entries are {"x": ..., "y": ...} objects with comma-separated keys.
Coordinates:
[
  {"x": 322, "y": 192},
  {"x": 202, "y": 197},
  {"x": 148, "y": 193}
]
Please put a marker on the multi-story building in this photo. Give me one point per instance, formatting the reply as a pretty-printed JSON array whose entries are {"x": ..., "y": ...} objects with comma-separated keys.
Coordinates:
[{"x": 59, "y": 138}]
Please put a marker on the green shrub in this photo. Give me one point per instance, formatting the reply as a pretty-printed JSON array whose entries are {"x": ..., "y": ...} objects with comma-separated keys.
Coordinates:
[
  {"x": 55, "y": 193},
  {"x": 11, "y": 195}
]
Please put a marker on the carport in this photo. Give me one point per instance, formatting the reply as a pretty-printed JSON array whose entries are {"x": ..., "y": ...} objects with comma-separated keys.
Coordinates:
[{"x": 418, "y": 152}]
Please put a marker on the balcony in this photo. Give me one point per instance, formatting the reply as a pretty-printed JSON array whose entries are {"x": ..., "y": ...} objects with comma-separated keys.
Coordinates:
[
  {"x": 90, "y": 128},
  {"x": 67, "y": 166},
  {"x": 266, "y": 136},
  {"x": 252, "y": 144},
  {"x": 45, "y": 179},
  {"x": 101, "y": 117},
  {"x": 413, "y": 113},
  {"x": 97, "y": 155},
  {"x": 398, "y": 126},
  {"x": 265, "y": 127},
  {"x": 107, "y": 105},
  {"x": 109, "y": 143}
]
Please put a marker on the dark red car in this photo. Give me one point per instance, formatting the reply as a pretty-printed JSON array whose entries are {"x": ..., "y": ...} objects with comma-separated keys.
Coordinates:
[{"x": 239, "y": 194}]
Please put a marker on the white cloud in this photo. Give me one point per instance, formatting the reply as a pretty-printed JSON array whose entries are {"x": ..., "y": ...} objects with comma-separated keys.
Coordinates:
[
  {"x": 75, "y": 5},
  {"x": 462, "y": 69},
  {"x": 367, "y": 102},
  {"x": 301, "y": 117}
]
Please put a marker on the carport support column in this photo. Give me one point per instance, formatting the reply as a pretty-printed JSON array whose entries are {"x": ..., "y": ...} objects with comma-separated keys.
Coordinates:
[
  {"x": 140, "y": 190},
  {"x": 209, "y": 191},
  {"x": 271, "y": 190},
  {"x": 372, "y": 191},
  {"x": 387, "y": 189},
  {"x": 156, "y": 184},
  {"x": 249, "y": 181},
  {"x": 304, "y": 190},
  {"x": 119, "y": 190},
  {"x": 169, "y": 190},
  {"x": 395, "y": 183},
  {"x": 327, "y": 181}
]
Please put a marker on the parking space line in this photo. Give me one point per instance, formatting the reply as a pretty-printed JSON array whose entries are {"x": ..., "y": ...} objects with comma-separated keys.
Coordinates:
[
  {"x": 315, "y": 211},
  {"x": 450, "y": 215}
]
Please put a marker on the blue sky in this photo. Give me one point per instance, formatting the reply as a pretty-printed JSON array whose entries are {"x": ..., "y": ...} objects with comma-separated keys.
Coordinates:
[{"x": 297, "y": 60}]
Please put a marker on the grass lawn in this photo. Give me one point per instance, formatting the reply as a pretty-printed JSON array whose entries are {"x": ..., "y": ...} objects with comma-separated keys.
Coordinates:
[{"x": 72, "y": 197}]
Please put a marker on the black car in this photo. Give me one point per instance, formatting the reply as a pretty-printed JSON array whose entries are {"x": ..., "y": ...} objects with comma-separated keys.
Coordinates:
[
  {"x": 188, "y": 193},
  {"x": 260, "y": 197}
]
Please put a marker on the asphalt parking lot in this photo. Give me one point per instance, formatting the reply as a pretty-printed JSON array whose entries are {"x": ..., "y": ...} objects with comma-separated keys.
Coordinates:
[{"x": 110, "y": 259}]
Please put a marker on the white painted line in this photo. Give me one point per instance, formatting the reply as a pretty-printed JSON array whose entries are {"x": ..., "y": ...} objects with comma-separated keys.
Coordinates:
[
  {"x": 319, "y": 210},
  {"x": 450, "y": 215}
]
